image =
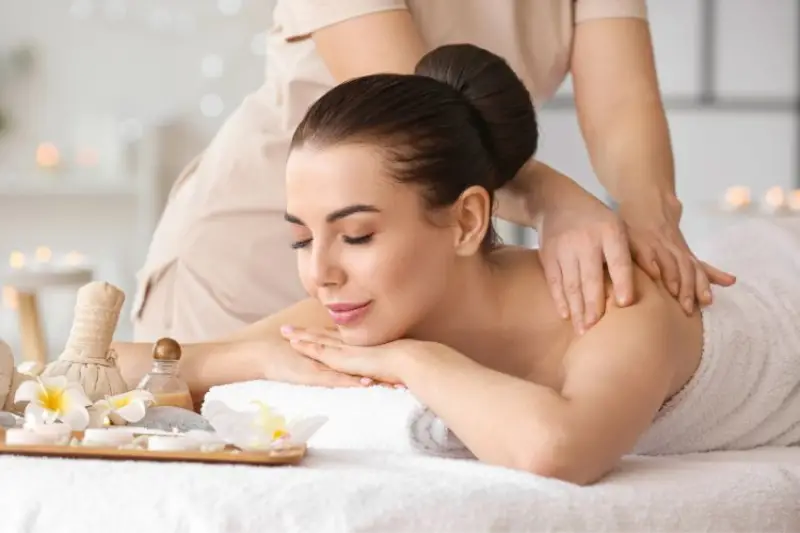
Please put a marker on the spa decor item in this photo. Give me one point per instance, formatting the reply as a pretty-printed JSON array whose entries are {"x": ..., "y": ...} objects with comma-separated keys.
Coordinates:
[
  {"x": 88, "y": 358},
  {"x": 163, "y": 381},
  {"x": 80, "y": 407}
]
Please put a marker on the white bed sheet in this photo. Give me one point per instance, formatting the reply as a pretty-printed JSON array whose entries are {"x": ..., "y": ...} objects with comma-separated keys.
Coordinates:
[{"x": 382, "y": 491}]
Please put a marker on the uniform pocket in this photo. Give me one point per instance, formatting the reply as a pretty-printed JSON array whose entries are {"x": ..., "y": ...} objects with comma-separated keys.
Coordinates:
[{"x": 152, "y": 301}]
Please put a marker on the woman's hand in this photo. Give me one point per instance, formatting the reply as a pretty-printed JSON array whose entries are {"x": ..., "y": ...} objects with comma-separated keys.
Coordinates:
[
  {"x": 286, "y": 365},
  {"x": 660, "y": 249},
  {"x": 382, "y": 363},
  {"x": 575, "y": 242}
]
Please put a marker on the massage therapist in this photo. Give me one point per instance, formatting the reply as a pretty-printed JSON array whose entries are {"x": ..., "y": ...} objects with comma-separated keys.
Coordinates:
[{"x": 220, "y": 256}]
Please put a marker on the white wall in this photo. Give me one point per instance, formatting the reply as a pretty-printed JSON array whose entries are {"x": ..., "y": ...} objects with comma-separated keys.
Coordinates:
[{"x": 95, "y": 72}]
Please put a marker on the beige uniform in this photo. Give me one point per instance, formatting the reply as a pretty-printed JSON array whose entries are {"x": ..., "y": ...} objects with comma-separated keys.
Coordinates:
[{"x": 220, "y": 256}]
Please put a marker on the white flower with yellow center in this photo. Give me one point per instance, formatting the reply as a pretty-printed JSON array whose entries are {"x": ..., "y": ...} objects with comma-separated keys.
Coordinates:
[
  {"x": 53, "y": 399},
  {"x": 259, "y": 427},
  {"x": 269, "y": 424},
  {"x": 128, "y": 407}
]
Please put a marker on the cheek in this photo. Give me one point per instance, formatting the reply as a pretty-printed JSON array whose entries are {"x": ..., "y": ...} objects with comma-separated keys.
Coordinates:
[{"x": 413, "y": 276}]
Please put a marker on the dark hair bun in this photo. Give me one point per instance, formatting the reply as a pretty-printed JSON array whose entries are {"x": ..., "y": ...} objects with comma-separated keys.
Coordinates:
[{"x": 503, "y": 106}]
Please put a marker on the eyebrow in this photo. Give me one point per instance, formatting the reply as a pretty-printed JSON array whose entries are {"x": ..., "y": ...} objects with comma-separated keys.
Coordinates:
[{"x": 338, "y": 214}]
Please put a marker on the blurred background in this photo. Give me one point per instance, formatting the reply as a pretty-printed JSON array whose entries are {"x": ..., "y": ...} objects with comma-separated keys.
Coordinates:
[{"x": 102, "y": 102}]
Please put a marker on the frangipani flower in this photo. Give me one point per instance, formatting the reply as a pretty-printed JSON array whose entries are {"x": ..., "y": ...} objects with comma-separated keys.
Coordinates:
[
  {"x": 260, "y": 428},
  {"x": 55, "y": 398},
  {"x": 128, "y": 407},
  {"x": 269, "y": 423}
]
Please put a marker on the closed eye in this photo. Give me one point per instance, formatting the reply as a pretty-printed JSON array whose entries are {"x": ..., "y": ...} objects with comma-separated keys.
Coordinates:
[
  {"x": 364, "y": 239},
  {"x": 297, "y": 245}
]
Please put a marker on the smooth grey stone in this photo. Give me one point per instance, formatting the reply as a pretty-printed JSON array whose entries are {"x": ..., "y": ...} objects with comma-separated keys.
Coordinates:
[
  {"x": 7, "y": 420},
  {"x": 173, "y": 418}
]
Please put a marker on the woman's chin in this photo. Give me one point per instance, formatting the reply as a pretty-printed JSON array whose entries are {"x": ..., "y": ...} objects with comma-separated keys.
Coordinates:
[{"x": 365, "y": 336}]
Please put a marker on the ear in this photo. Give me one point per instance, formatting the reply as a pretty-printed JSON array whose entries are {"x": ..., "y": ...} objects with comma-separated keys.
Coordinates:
[{"x": 472, "y": 214}]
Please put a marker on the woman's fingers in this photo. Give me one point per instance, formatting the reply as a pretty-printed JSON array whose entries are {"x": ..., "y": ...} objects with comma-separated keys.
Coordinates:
[
  {"x": 313, "y": 373},
  {"x": 326, "y": 337}
]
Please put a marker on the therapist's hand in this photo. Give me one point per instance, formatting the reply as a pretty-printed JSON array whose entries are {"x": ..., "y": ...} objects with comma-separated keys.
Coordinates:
[
  {"x": 660, "y": 249},
  {"x": 576, "y": 242}
]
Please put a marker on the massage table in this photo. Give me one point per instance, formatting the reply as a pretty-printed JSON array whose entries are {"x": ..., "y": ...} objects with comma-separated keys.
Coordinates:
[{"x": 336, "y": 490}]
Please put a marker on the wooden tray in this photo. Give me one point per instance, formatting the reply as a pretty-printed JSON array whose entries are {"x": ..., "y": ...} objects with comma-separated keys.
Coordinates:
[{"x": 291, "y": 455}]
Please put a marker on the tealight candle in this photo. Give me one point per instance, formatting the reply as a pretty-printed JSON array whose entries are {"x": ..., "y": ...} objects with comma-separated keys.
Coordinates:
[
  {"x": 54, "y": 432},
  {"x": 23, "y": 437},
  {"x": 774, "y": 200},
  {"x": 42, "y": 435},
  {"x": 106, "y": 437},
  {"x": 794, "y": 200},
  {"x": 171, "y": 444},
  {"x": 736, "y": 198}
]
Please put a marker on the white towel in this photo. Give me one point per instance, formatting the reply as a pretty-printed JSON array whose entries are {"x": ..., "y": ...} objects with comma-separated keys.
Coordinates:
[
  {"x": 746, "y": 391},
  {"x": 376, "y": 418}
]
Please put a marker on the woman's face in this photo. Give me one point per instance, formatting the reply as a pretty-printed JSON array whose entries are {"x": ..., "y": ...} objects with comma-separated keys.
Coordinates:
[{"x": 365, "y": 247}]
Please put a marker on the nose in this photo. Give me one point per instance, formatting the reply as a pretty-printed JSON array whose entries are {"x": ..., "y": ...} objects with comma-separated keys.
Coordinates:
[{"x": 324, "y": 270}]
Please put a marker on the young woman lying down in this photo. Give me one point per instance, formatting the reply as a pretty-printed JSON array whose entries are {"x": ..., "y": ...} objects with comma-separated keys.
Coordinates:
[{"x": 390, "y": 184}]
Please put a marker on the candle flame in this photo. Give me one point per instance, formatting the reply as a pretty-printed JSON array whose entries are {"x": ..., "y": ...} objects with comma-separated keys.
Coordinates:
[
  {"x": 775, "y": 197},
  {"x": 43, "y": 254},
  {"x": 74, "y": 258},
  {"x": 47, "y": 155},
  {"x": 794, "y": 200},
  {"x": 10, "y": 299},
  {"x": 16, "y": 260},
  {"x": 738, "y": 196}
]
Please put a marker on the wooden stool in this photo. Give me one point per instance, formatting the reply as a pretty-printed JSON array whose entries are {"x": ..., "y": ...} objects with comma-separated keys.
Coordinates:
[{"x": 27, "y": 282}]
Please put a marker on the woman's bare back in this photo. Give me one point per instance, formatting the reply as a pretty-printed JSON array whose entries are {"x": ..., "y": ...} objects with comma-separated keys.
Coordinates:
[{"x": 533, "y": 340}]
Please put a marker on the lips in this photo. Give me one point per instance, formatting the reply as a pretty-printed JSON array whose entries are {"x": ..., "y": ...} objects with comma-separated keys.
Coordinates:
[{"x": 348, "y": 314}]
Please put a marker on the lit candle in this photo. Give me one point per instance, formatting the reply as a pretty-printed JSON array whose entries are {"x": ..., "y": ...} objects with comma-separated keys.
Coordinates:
[
  {"x": 774, "y": 200},
  {"x": 737, "y": 198},
  {"x": 794, "y": 200},
  {"x": 74, "y": 258},
  {"x": 43, "y": 254},
  {"x": 47, "y": 156},
  {"x": 16, "y": 260}
]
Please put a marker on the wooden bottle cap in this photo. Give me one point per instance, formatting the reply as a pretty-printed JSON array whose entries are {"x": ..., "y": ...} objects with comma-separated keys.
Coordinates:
[{"x": 166, "y": 349}]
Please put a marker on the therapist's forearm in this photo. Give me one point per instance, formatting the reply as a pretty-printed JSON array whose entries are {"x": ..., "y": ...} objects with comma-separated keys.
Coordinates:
[
  {"x": 535, "y": 190},
  {"x": 632, "y": 155}
]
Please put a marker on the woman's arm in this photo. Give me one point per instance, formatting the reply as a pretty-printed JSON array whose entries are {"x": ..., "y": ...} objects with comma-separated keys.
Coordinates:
[
  {"x": 257, "y": 351},
  {"x": 617, "y": 377}
]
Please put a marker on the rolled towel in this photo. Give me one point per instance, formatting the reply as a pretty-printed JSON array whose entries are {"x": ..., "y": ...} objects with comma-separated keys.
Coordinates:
[{"x": 358, "y": 418}]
